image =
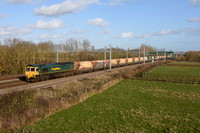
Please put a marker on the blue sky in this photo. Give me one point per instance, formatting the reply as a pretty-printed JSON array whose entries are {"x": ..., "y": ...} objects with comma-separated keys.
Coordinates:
[{"x": 170, "y": 24}]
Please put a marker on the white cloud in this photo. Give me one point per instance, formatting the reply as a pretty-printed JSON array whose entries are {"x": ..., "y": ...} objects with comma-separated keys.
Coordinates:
[
  {"x": 144, "y": 35},
  {"x": 66, "y": 7},
  {"x": 82, "y": 37},
  {"x": 79, "y": 31},
  {"x": 105, "y": 32},
  {"x": 53, "y": 24},
  {"x": 14, "y": 31},
  {"x": 124, "y": 35},
  {"x": 165, "y": 32},
  {"x": 159, "y": 33},
  {"x": 194, "y": 31},
  {"x": 118, "y": 2},
  {"x": 19, "y": 1},
  {"x": 45, "y": 36},
  {"x": 195, "y": 2},
  {"x": 194, "y": 20},
  {"x": 4, "y": 15},
  {"x": 97, "y": 22}
]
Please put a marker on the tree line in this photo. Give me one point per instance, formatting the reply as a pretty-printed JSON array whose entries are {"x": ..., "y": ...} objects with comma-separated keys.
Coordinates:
[
  {"x": 193, "y": 56},
  {"x": 15, "y": 53}
]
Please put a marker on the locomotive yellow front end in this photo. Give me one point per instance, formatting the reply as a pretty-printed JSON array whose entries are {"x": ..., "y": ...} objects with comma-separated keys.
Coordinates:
[{"x": 31, "y": 72}]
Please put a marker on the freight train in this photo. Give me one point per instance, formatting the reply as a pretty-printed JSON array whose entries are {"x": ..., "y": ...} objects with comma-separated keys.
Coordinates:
[{"x": 40, "y": 72}]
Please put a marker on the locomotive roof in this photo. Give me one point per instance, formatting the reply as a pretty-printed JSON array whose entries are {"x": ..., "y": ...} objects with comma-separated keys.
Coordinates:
[{"x": 50, "y": 64}]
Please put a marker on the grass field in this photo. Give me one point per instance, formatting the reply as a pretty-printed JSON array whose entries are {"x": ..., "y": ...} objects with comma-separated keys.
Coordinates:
[
  {"x": 177, "y": 70},
  {"x": 175, "y": 74},
  {"x": 131, "y": 105},
  {"x": 185, "y": 63}
]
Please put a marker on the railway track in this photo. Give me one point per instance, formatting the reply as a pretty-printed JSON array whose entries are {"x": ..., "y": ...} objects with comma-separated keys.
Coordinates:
[
  {"x": 12, "y": 81},
  {"x": 10, "y": 77},
  {"x": 17, "y": 82}
]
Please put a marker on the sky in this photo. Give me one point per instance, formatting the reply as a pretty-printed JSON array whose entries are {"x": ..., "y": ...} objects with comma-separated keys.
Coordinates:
[{"x": 169, "y": 24}]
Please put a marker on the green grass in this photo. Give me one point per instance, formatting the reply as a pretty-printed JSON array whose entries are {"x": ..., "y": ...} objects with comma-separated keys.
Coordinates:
[
  {"x": 175, "y": 74},
  {"x": 185, "y": 63},
  {"x": 128, "y": 106},
  {"x": 177, "y": 70}
]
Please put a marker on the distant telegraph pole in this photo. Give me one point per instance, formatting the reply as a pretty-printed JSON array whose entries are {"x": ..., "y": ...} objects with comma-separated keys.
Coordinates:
[
  {"x": 105, "y": 53},
  {"x": 139, "y": 53},
  {"x": 57, "y": 53},
  {"x": 165, "y": 55},
  {"x": 127, "y": 54},
  {"x": 144, "y": 55},
  {"x": 110, "y": 57},
  {"x": 157, "y": 55}
]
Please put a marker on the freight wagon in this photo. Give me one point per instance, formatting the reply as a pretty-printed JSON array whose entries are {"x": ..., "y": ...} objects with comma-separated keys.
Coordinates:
[
  {"x": 85, "y": 66},
  {"x": 136, "y": 60},
  {"x": 130, "y": 61},
  {"x": 114, "y": 62},
  {"x": 99, "y": 64},
  {"x": 123, "y": 62}
]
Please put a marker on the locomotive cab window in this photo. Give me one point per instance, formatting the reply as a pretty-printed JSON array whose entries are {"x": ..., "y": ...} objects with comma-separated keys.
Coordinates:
[
  {"x": 37, "y": 69},
  {"x": 32, "y": 69},
  {"x": 27, "y": 69}
]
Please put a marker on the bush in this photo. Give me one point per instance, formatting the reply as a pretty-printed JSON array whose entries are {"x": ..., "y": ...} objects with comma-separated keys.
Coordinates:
[
  {"x": 192, "y": 56},
  {"x": 181, "y": 58}
]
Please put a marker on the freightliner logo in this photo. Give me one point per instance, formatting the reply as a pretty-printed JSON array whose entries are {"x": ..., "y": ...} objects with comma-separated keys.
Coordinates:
[{"x": 55, "y": 68}]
